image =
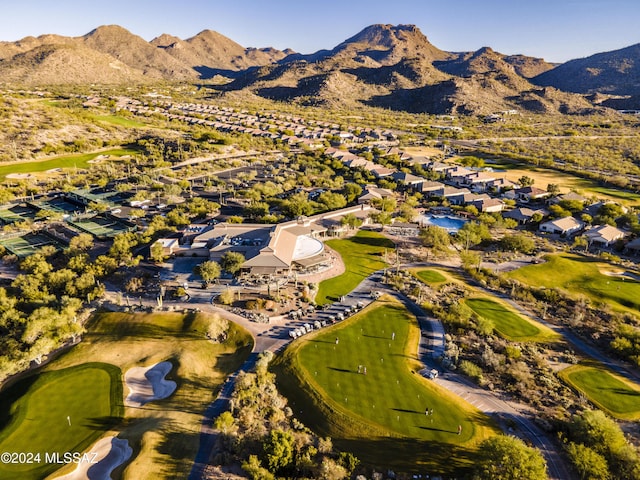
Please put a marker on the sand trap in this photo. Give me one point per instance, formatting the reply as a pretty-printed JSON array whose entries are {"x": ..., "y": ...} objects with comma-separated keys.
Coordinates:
[
  {"x": 106, "y": 455},
  {"x": 147, "y": 384},
  {"x": 19, "y": 175}
]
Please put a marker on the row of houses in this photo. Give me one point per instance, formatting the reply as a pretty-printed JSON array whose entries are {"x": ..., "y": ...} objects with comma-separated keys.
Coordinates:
[{"x": 294, "y": 131}]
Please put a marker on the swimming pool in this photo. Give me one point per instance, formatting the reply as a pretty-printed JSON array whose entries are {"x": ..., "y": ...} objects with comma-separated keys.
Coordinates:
[{"x": 450, "y": 223}]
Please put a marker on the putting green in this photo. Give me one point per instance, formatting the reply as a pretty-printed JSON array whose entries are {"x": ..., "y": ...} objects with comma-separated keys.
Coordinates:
[
  {"x": 430, "y": 276},
  {"x": 74, "y": 406},
  {"x": 613, "y": 394},
  {"x": 388, "y": 401},
  {"x": 362, "y": 254},
  {"x": 509, "y": 324}
]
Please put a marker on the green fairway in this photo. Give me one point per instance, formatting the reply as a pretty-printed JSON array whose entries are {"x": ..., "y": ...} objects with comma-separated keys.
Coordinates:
[
  {"x": 430, "y": 276},
  {"x": 618, "y": 397},
  {"x": 164, "y": 434},
  {"x": 377, "y": 414},
  {"x": 72, "y": 406},
  {"x": 362, "y": 255},
  {"x": 509, "y": 324},
  {"x": 120, "y": 121},
  {"x": 64, "y": 161},
  {"x": 582, "y": 276}
]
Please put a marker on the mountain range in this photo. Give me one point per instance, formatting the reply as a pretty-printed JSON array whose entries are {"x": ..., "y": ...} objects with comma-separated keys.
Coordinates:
[{"x": 390, "y": 66}]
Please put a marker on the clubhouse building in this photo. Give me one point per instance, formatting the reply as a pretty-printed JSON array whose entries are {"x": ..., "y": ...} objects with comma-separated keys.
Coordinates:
[{"x": 294, "y": 247}]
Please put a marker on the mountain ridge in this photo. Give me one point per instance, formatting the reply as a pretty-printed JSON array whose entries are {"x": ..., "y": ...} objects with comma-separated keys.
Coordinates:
[{"x": 392, "y": 66}]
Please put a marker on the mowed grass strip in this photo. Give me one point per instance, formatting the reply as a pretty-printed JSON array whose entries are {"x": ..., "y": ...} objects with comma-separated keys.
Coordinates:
[
  {"x": 508, "y": 323},
  {"x": 430, "y": 277},
  {"x": 613, "y": 394},
  {"x": 362, "y": 255},
  {"x": 34, "y": 411},
  {"x": 582, "y": 276},
  {"x": 120, "y": 121},
  {"x": 364, "y": 412},
  {"x": 63, "y": 161}
]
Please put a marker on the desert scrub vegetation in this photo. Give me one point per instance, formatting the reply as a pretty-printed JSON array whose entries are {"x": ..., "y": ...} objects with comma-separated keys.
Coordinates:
[{"x": 261, "y": 433}]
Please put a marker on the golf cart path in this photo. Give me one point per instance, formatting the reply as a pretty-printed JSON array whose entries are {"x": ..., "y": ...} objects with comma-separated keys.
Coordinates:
[
  {"x": 430, "y": 351},
  {"x": 431, "y": 348}
]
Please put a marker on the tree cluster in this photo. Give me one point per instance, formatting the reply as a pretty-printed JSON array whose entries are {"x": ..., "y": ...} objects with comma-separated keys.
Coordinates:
[{"x": 260, "y": 432}]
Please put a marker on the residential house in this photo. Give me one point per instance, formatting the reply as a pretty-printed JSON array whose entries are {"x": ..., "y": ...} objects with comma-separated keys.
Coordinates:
[
  {"x": 523, "y": 215},
  {"x": 604, "y": 235},
  {"x": 530, "y": 194},
  {"x": 633, "y": 247},
  {"x": 562, "y": 226},
  {"x": 480, "y": 181},
  {"x": 372, "y": 192},
  {"x": 429, "y": 188},
  {"x": 572, "y": 196},
  {"x": 408, "y": 179},
  {"x": 381, "y": 172},
  {"x": 489, "y": 205}
]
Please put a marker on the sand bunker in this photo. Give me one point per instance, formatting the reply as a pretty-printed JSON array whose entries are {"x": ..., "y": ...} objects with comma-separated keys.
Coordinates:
[
  {"x": 147, "y": 384},
  {"x": 106, "y": 455},
  {"x": 19, "y": 175}
]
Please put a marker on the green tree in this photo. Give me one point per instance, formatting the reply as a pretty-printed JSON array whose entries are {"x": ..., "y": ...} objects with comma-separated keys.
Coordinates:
[
  {"x": 526, "y": 181},
  {"x": 156, "y": 253},
  {"x": 553, "y": 189},
  {"x": 278, "y": 450},
  {"x": 349, "y": 461},
  {"x": 255, "y": 470},
  {"x": 352, "y": 191},
  {"x": 517, "y": 243},
  {"x": 297, "y": 205},
  {"x": 351, "y": 221},
  {"x": 589, "y": 464},
  {"x": 608, "y": 213},
  {"x": 332, "y": 201},
  {"x": 471, "y": 234},
  {"x": 232, "y": 262},
  {"x": 437, "y": 239},
  {"x": 208, "y": 271},
  {"x": 81, "y": 242},
  {"x": 509, "y": 458}
]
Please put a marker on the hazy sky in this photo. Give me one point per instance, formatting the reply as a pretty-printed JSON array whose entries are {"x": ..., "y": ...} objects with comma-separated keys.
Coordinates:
[{"x": 556, "y": 30}]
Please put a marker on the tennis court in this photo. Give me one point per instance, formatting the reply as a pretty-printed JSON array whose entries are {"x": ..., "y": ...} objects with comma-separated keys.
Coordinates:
[
  {"x": 101, "y": 227},
  {"x": 28, "y": 244},
  {"x": 59, "y": 205},
  {"x": 17, "y": 214}
]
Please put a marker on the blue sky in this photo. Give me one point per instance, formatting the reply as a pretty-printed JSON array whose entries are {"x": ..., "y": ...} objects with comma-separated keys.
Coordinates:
[{"x": 556, "y": 30}]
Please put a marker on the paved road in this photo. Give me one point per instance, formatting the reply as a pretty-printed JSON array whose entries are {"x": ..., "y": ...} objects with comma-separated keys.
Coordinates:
[
  {"x": 275, "y": 336},
  {"x": 431, "y": 350}
]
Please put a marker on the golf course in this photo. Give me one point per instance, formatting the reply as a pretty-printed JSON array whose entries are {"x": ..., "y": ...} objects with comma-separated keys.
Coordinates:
[
  {"x": 56, "y": 412},
  {"x": 509, "y": 324},
  {"x": 62, "y": 161},
  {"x": 358, "y": 383},
  {"x": 362, "y": 254},
  {"x": 80, "y": 396},
  {"x": 430, "y": 276},
  {"x": 615, "y": 395},
  {"x": 600, "y": 282}
]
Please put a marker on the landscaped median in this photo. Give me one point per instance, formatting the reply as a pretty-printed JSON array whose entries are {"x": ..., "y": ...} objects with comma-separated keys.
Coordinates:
[
  {"x": 358, "y": 383},
  {"x": 615, "y": 395}
]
